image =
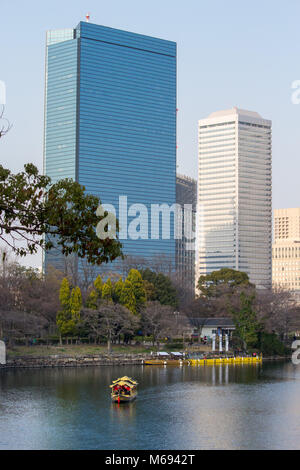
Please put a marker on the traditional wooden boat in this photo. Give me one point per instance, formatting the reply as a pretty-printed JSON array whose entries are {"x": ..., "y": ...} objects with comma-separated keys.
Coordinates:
[{"x": 123, "y": 390}]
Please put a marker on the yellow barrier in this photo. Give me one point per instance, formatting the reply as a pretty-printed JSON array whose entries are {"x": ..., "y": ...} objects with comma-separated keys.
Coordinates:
[{"x": 226, "y": 360}]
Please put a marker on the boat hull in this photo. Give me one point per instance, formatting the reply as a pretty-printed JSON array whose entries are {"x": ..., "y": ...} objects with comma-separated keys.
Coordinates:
[
  {"x": 169, "y": 362},
  {"x": 123, "y": 398}
]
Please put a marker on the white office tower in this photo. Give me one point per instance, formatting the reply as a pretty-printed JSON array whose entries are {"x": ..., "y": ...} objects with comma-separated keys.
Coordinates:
[{"x": 234, "y": 225}]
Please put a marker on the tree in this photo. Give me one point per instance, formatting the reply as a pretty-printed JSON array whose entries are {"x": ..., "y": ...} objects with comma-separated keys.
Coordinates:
[
  {"x": 109, "y": 320},
  {"x": 157, "y": 320},
  {"x": 136, "y": 280},
  {"x": 98, "y": 285},
  {"x": 35, "y": 213},
  {"x": 131, "y": 262},
  {"x": 150, "y": 290},
  {"x": 127, "y": 297},
  {"x": 38, "y": 295},
  {"x": 223, "y": 281},
  {"x": 199, "y": 311},
  {"x": 92, "y": 299},
  {"x": 107, "y": 290},
  {"x": 64, "y": 294},
  {"x": 95, "y": 293},
  {"x": 79, "y": 272},
  {"x": 165, "y": 292},
  {"x": 68, "y": 317},
  {"x": 5, "y": 125},
  {"x": 246, "y": 323},
  {"x": 279, "y": 311},
  {"x": 117, "y": 290},
  {"x": 29, "y": 301},
  {"x": 75, "y": 304}
]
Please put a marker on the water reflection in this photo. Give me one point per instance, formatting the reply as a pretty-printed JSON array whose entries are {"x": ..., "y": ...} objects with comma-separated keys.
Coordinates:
[{"x": 203, "y": 407}]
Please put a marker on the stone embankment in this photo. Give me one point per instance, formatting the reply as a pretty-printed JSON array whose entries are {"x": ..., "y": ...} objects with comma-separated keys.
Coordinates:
[{"x": 74, "y": 361}]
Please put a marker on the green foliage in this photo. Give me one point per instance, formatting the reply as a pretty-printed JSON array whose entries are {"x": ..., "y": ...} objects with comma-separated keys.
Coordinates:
[
  {"x": 98, "y": 285},
  {"x": 222, "y": 281},
  {"x": 95, "y": 294},
  {"x": 92, "y": 299},
  {"x": 165, "y": 292},
  {"x": 68, "y": 318},
  {"x": 246, "y": 324},
  {"x": 64, "y": 293},
  {"x": 174, "y": 346},
  {"x": 270, "y": 345},
  {"x": 117, "y": 290},
  {"x": 75, "y": 304},
  {"x": 31, "y": 207},
  {"x": 150, "y": 290},
  {"x": 127, "y": 297},
  {"x": 107, "y": 290},
  {"x": 136, "y": 280}
]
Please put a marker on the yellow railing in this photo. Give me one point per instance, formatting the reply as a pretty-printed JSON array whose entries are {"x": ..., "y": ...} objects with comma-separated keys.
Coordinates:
[{"x": 226, "y": 360}]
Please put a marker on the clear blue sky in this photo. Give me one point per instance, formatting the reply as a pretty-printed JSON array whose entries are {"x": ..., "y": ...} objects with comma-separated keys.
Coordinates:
[{"x": 229, "y": 54}]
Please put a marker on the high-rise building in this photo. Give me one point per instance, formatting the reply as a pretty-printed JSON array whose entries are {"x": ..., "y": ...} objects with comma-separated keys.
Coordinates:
[
  {"x": 234, "y": 221},
  {"x": 286, "y": 249},
  {"x": 186, "y": 198},
  {"x": 110, "y": 123}
]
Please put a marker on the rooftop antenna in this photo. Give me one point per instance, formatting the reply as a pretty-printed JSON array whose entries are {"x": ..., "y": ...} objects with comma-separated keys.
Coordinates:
[{"x": 87, "y": 17}]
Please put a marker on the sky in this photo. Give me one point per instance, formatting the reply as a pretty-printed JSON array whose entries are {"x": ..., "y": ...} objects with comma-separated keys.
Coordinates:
[{"x": 229, "y": 54}]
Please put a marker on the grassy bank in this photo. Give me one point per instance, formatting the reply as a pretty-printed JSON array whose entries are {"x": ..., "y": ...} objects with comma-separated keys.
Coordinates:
[
  {"x": 90, "y": 349},
  {"x": 75, "y": 350}
]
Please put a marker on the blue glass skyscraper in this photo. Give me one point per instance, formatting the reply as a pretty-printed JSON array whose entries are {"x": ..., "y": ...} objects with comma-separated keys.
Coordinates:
[{"x": 110, "y": 122}]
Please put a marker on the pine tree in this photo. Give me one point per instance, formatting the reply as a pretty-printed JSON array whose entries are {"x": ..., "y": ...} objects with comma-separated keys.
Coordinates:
[
  {"x": 117, "y": 290},
  {"x": 95, "y": 294},
  {"x": 64, "y": 293},
  {"x": 246, "y": 323},
  {"x": 128, "y": 298},
  {"x": 107, "y": 290},
  {"x": 91, "y": 301},
  {"x": 68, "y": 318},
  {"x": 98, "y": 285},
  {"x": 136, "y": 280},
  {"x": 75, "y": 304}
]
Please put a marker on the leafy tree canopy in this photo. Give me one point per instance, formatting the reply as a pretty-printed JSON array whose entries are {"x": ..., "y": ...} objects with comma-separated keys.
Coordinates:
[
  {"x": 107, "y": 290},
  {"x": 127, "y": 297},
  {"x": 136, "y": 280},
  {"x": 68, "y": 318},
  {"x": 222, "y": 281},
  {"x": 246, "y": 323},
  {"x": 150, "y": 290},
  {"x": 98, "y": 285},
  {"x": 35, "y": 213},
  {"x": 165, "y": 292},
  {"x": 117, "y": 290}
]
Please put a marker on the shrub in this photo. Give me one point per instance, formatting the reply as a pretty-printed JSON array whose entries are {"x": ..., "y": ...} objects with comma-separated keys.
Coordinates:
[{"x": 270, "y": 345}]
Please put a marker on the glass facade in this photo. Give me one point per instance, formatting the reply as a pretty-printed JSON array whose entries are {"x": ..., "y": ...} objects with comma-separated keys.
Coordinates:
[
  {"x": 110, "y": 121},
  {"x": 235, "y": 195},
  {"x": 186, "y": 194}
]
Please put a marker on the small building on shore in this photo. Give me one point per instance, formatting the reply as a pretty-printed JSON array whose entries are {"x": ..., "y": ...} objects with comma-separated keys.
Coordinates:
[{"x": 206, "y": 327}]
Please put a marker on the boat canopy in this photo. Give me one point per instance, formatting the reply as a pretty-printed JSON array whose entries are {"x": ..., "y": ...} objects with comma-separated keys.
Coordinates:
[
  {"x": 124, "y": 381},
  {"x": 162, "y": 353},
  {"x": 179, "y": 354}
]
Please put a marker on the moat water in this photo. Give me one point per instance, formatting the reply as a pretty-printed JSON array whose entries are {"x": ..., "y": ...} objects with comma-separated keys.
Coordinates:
[{"x": 205, "y": 407}]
